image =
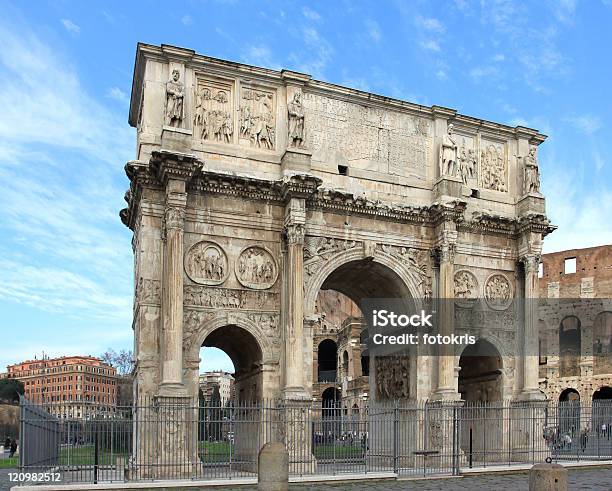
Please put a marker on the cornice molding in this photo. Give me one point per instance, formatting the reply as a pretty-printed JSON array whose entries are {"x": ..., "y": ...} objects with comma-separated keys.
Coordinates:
[
  {"x": 173, "y": 165},
  {"x": 489, "y": 223}
]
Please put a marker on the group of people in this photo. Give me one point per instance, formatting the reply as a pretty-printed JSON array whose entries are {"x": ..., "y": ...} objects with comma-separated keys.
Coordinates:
[
  {"x": 564, "y": 440},
  {"x": 212, "y": 115}
]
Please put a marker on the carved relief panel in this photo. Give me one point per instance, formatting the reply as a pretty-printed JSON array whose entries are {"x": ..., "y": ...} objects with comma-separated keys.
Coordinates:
[
  {"x": 467, "y": 160},
  {"x": 392, "y": 377},
  {"x": 206, "y": 263},
  {"x": 466, "y": 288},
  {"x": 257, "y": 117},
  {"x": 493, "y": 166},
  {"x": 256, "y": 268},
  {"x": 213, "y": 114},
  {"x": 498, "y": 291}
]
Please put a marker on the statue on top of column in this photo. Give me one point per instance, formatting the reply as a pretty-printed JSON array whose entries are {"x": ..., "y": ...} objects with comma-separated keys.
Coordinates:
[
  {"x": 296, "y": 120},
  {"x": 531, "y": 176},
  {"x": 174, "y": 100},
  {"x": 448, "y": 153}
]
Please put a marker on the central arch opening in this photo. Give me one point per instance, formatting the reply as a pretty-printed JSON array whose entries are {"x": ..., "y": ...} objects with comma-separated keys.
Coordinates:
[{"x": 342, "y": 330}]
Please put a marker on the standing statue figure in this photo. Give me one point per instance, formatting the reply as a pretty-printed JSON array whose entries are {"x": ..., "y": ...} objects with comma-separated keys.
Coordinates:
[
  {"x": 531, "y": 179},
  {"x": 174, "y": 100},
  {"x": 448, "y": 153},
  {"x": 296, "y": 121}
]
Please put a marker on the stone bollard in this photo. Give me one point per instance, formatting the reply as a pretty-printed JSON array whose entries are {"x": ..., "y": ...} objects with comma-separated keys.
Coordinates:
[
  {"x": 548, "y": 477},
  {"x": 273, "y": 468}
]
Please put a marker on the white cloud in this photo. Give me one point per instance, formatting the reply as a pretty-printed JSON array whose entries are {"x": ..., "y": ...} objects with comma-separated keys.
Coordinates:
[
  {"x": 441, "y": 75},
  {"x": 580, "y": 216},
  {"x": 70, "y": 26},
  {"x": 585, "y": 123},
  {"x": 430, "y": 45},
  {"x": 565, "y": 10},
  {"x": 499, "y": 57},
  {"x": 598, "y": 161},
  {"x": 43, "y": 102},
  {"x": 186, "y": 20},
  {"x": 117, "y": 94},
  {"x": 310, "y": 14},
  {"x": 260, "y": 55},
  {"x": 317, "y": 54},
  {"x": 63, "y": 248},
  {"x": 373, "y": 30},
  {"x": 429, "y": 24},
  {"x": 484, "y": 72}
]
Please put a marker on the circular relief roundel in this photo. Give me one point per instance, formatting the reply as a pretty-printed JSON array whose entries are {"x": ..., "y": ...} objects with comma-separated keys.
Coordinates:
[
  {"x": 466, "y": 288},
  {"x": 256, "y": 268},
  {"x": 498, "y": 292},
  {"x": 206, "y": 263}
]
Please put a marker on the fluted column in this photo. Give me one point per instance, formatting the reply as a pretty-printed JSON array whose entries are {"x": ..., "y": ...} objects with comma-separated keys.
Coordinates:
[
  {"x": 530, "y": 320},
  {"x": 172, "y": 301},
  {"x": 294, "y": 299},
  {"x": 446, "y": 319},
  {"x": 174, "y": 171}
]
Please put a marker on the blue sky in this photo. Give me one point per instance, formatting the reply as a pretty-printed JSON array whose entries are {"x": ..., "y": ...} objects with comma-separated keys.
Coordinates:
[{"x": 65, "y": 78}]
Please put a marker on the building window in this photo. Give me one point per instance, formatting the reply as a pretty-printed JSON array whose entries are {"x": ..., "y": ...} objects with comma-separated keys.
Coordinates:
[
  {"x": 569, "y": 266},
  {"x": 541, "y": 270}
]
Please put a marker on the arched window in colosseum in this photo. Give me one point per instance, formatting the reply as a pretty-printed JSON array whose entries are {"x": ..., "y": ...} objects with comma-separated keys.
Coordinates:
[
  {"x": 602, "y": 344},
  {"x": 569, "y": 411},
  {"x": 327, "y": 361},
  {"x": 569, "y": 347},
  {"x": 345, "y": 363}
]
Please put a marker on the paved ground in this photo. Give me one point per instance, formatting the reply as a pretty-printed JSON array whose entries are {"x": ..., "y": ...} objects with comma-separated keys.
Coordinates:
[{"x": 579, "y": 480}]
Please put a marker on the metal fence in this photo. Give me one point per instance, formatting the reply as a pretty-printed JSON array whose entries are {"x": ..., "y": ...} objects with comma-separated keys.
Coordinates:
[{"x": 165, "y": 439}]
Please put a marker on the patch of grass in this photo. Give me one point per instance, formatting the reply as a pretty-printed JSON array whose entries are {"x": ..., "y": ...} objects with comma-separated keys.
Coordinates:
[
  {"x": 338, "y": 451},
  {"x": 85, "y": 455},
  {"x": 9, "y": 463},
  {"x": 215, "y": 451}
]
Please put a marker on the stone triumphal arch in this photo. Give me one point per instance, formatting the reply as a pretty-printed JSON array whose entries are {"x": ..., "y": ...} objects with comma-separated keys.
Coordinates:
[{"x": 254, "y": 189}]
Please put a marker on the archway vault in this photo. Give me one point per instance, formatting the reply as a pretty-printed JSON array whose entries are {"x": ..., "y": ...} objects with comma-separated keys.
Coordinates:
[
  {"x": 245, "y": 328},
  {"x": 360, "y": 275}
]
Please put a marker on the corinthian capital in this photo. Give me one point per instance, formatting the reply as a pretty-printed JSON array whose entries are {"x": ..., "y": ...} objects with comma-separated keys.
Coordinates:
[
  {"x": 294, "y": 233},
  {"x": 530, "y": 262},
  {"x": 174, "y": 218},
  {"x": 447, "y": 251}
]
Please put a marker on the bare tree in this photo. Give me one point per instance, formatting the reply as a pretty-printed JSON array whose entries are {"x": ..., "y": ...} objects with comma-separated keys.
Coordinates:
[{"x": 123, "y": 360}]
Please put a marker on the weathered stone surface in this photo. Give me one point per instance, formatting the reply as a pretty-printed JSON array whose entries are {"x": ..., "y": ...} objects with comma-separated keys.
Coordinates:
[
  {"x": 253, "y": 190},
  {"x": 273, "y": 468},
  {"x": 548, "y": 477}
]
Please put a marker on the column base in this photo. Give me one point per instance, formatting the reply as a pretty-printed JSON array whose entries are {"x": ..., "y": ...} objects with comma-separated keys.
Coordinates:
[
  {"x": 450, "y": 395},
  {"x": 530, "y": 395},
  {"x": 172, "y": 389},
  {"x": 297, "y": 394}
]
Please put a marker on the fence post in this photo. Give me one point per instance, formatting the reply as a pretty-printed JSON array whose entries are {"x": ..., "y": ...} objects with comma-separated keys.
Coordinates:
[
  {"x": 395, "y": 436},
  {"x": 455, "y": 456},
  {"x": 470, "y": 455},
  {"x": 21, "y": 431},
  {"x": 96, "y": 454}
]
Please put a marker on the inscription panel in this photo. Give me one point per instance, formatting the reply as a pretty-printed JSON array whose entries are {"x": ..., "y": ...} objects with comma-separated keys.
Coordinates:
[{"x": 367, "y": 137}]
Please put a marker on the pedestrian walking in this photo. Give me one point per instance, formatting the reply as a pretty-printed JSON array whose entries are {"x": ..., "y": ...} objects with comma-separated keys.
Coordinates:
[
  {"x": 584, "y": 438},
  {"x": 13, "y": 448}
]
